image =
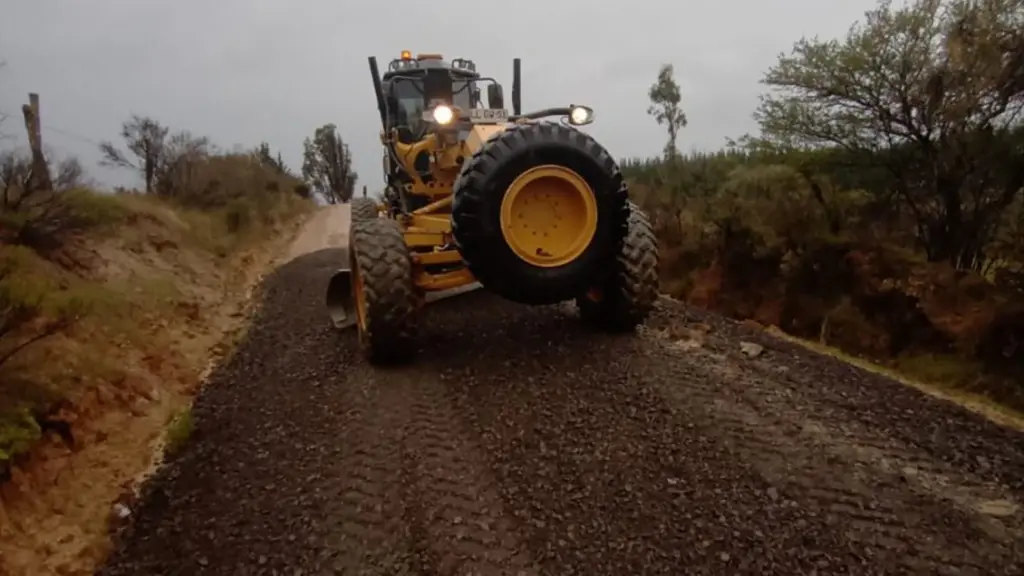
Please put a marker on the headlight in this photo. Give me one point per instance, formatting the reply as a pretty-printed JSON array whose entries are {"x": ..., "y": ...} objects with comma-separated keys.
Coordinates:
[
  {"x": 443, "y": 115},
  {"x": 579, "y": 115}
]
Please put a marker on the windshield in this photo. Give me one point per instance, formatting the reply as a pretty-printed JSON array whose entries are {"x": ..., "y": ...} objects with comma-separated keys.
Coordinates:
[
  {"x": 408, "y": 94},
  {"x": 463, "y": 93},
  {"x": 409, "y": 101}
]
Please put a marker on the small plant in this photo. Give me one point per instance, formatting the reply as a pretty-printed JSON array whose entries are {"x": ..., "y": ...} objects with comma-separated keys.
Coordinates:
[
  {"x": 32, "y": 308},
  {"x": 18, "y": 432},
  {"x": 179, "y": 430}
]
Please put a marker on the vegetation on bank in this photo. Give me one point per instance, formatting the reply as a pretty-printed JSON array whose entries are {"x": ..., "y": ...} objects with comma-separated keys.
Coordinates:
[
  {"x": 87, "y": 276},
  {"x": 880, "y": 209}
]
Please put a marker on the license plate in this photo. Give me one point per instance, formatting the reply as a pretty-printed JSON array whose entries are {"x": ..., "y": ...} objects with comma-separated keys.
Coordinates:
[{"x": 488, "y": 115}]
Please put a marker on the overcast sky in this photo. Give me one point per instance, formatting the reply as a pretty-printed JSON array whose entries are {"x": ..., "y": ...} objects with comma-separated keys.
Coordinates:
[{"x": 242, "y": 71}]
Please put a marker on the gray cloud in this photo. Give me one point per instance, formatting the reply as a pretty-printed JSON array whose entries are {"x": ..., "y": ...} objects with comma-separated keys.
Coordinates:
[{"x": 242, "y": 71}]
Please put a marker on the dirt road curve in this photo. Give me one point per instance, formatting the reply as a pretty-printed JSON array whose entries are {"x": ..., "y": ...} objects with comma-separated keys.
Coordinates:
[{"x": 521, "y": 444}]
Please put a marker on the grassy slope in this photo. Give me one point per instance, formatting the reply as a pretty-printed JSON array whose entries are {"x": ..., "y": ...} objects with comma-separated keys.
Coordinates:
[{"x": 159, "y": 292}]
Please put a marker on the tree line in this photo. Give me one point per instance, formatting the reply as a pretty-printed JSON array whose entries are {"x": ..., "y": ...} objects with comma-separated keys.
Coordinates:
[
  {"x": 878, "y": 208},
  {"x": 163, "y": 159},
  {"x": 916, "y": 114}
]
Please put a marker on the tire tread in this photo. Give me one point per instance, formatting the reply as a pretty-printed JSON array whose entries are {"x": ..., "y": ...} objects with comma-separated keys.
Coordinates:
[{"x": 385, "y": 268}]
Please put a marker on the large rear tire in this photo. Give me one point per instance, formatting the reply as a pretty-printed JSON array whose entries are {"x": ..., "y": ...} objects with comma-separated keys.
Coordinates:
[
  {"x": 576, "y": 164},
  {"x": 363, "y": 209},
  {"x": 384, "y": 298},
  {"x": 627, "y": 297}
]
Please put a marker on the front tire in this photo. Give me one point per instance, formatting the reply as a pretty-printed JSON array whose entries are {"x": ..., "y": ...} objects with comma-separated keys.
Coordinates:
[
  {"x": 363, "y": 209},
  {"x": 627, "y": 297},
  {"x": 490, "y": 175},
  {"x": 385, "y": 298}
]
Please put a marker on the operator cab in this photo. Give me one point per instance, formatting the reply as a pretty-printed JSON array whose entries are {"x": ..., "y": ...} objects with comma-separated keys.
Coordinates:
[
  {"x": 406, "y": 91},
  {"x": 414, "y": 85}
]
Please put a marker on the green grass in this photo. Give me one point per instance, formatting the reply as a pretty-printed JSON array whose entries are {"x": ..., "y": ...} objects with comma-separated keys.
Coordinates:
[
  {"x": 943, "y": 370},
  {"x": 99, "y": 210},
  {"x": 179, "y": 430},
  {"x": 18, "y": 432}
]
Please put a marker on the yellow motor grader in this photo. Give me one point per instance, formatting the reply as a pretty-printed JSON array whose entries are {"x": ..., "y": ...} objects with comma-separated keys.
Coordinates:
[{"x": 532, "y": 209}]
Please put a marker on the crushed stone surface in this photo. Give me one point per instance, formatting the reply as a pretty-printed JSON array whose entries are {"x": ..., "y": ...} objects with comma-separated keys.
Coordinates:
[{"x": 520, "y": 443}]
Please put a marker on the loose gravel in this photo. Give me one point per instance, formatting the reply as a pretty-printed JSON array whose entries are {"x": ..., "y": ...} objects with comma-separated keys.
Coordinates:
[{"x": 519, "y": 443}]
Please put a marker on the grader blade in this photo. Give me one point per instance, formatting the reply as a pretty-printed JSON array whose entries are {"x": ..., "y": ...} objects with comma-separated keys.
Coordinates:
[{"x": 339, "y": 299}]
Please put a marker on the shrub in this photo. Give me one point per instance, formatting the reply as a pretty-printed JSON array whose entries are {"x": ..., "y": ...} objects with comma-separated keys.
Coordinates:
[{"x": 32, "y": 307}]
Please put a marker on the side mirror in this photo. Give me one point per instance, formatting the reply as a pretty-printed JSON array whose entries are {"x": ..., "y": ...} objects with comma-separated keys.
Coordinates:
[{"x": 495, "y": 96}]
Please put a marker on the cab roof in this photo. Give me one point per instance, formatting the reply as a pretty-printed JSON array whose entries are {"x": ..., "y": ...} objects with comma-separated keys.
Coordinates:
[{"x": 409, "y": 66}]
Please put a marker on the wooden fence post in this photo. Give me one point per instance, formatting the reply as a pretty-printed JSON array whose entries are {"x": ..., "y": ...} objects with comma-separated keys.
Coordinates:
[{"x": 40, "y": 170}]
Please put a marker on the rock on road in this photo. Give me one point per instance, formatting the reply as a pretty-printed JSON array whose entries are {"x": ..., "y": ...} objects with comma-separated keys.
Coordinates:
[{"x": 519, "y": 443}]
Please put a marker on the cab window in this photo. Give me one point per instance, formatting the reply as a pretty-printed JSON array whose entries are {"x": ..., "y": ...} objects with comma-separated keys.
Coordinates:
[
  {"x": 409, "y": 102},
  {"x": 462, "y": 92}
]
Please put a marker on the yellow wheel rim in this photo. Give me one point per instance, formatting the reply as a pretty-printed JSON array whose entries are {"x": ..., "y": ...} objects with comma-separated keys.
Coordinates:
[
  {"x": 358, "y": 295},
  {"x": 549, "y": 216}
]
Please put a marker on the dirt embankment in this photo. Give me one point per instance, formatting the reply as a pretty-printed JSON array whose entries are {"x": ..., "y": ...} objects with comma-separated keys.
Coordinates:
[
  {"x": 522, "y": 444},
  {"x": 173, "y": 290}
]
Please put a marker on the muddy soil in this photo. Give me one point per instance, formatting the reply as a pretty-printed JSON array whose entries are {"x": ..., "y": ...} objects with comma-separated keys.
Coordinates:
[{"x": 522, "y": 444}]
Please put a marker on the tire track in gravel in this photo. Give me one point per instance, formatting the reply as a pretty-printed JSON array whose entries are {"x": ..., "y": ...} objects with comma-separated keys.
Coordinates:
[
  {"x": 884, "y": 492},
  {"x": 306, "y": 460},
  {"x": 365, "y": 514},
  {"x": 464, "y": 529},
  {"x": 520, "y": 443},
  {"x": 942, "y": 431},
  {"x": 810, "y": 467},
  {"x": 604, "y": 477},
  {"x": 786, "y": 491}
]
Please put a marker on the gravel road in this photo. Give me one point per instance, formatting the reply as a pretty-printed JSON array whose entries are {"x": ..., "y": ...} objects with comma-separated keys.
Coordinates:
[{"x": 522, "y": 444}]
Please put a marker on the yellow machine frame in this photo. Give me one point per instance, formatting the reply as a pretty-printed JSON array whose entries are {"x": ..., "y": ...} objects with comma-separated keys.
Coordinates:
[{"x": 430, "y": 226}]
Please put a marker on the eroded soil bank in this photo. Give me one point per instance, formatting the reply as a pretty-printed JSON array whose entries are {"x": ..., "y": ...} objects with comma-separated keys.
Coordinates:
[{"x": 192, "y": 307}]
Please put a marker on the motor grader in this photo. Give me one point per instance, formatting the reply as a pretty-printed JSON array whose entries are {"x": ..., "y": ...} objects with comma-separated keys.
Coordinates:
[{"x": 532, "y": 209}]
